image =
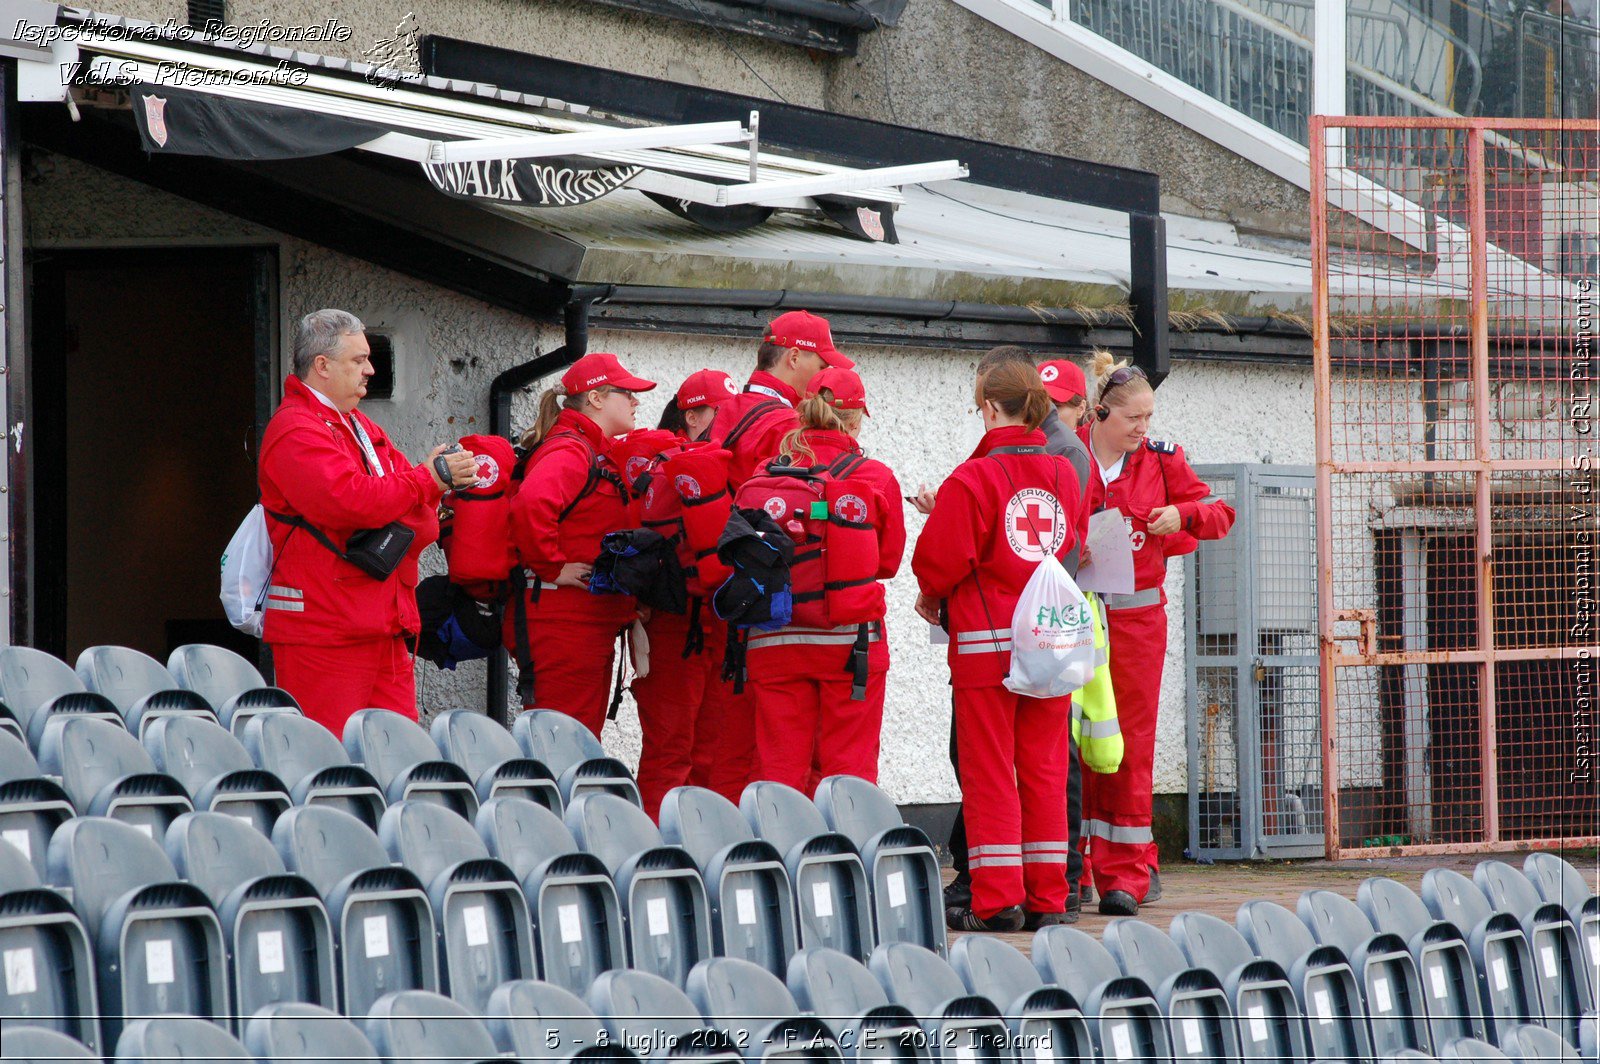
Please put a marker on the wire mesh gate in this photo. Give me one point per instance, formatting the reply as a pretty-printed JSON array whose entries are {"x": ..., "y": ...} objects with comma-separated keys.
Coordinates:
[{"x": 1455, "y": 288}]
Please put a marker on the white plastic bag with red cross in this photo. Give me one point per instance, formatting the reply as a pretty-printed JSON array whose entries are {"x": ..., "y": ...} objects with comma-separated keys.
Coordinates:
[{"x": 1052, "y": 635}]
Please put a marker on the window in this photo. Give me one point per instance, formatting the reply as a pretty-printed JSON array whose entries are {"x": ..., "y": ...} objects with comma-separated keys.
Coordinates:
[{"x": 381, "y": 383}]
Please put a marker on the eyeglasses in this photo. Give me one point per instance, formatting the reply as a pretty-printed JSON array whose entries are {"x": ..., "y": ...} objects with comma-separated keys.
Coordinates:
[{"x": 1122, "y": 376}]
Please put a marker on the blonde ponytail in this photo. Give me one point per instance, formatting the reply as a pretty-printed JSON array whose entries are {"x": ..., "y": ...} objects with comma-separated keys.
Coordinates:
[
  {"x": 550, "y": 405},
  {"x": 818, "y": 414},
  {"x": 1105, "y": 364}
]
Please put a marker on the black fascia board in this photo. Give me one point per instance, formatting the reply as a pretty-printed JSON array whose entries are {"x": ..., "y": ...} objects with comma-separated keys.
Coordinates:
[{"x": 823, "y": 25}]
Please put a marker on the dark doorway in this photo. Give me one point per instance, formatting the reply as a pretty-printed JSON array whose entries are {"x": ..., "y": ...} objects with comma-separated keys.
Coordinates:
[{"x": 153, "y": 373}]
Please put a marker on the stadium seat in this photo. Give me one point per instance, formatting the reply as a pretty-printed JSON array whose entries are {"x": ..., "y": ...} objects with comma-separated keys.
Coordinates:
[
  {"x": 279, "y": 939},
  {"x": 959, "y": 1024},
  {"x": 1559, "y": 968},
  {"x": 158, "y": 944},
  {"x": 417, "y": 1025},
  {"x": 106, "y": 772},
  {"x": 752, "y": 900},
  {"x": 484, "y": 933},
  {"x": 10, "y": 725},
  {"x": 1324, "y": 983},
  {"x": 382, "y": 920},
  {"x": 216, "y": 674},
  {"x": 1200, "y": 1024},
  {"x": 654, "y": 1019},
  {"x": 666, "y": 913},
  {"x": 577, "y": 919},
  {"x": 307, "y": 756},
  {"x": 492, "y": 759},
  {"x": 1443, "y": 959},
  {"x": 533, "y": 1020},
  {"x": 1557, "y": 881},
  {"x": 833, "y": 908},
  {"x": 1271, "y": 1026},
  {"x": 30, "y": 680},
  {"x": 1589, "y": 1038},
  {"x": 48, "y": 969},
  {"x": 1530, "y": 1041},
  {"x": 1391, "y": 990},
  {"x": 839, "y": 990},
  {"x": 1500, "y": 951},
  {"x": 1124, "y": 1018},
  {"x": 293, "y": 1030},
  {"x": 237, "y": 713},
  {"x": 572, "y": 752},
  {"x": 167, "y": 1038},
  {"x": 903, "y": 870},
  {"x": 753, "y": 1008},
  {"x": 1470, "y": 1049},
  {"x": 1047, "y": 1026},
  {"x": 41, "y": 1045},
  {"x": 215, "y": 771},
  {"x": 406, "y": 763},
  {"x": 138, "y": 685},
  {"x": 31, "y": 807}
]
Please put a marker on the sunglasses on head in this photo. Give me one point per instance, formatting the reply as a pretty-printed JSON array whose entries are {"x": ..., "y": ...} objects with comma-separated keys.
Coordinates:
[{"x": 1123, "y": 376}]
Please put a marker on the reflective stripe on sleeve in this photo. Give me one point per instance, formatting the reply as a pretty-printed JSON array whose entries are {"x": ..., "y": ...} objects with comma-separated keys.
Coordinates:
[{"x": 1101, "y": 729}]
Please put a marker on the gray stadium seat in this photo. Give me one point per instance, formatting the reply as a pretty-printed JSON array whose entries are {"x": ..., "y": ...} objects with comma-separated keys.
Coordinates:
[
  {"x": 1271, "y": 1026},
  {"x": 106, "y": 772},
  {"x": 48, "y": 974},
  {"x": 1047, "y": 1026},
  {"x": 1557, "y": 881},
  {"x": 31, "y": 807},
  {"x": 1324, "y": 983},
  {"x": 533, "y": 1020},
  {"x": 1500, "y": 952},
  {"x": 903, "y": 870},
  {"x": 236, "y": 713},
  {"x": 752, "y": 900},
  {"x": 419, "y": 1026},
  {"x": 158, "y": 944},
  {"x": 665, "y": 909},
  {"x": 1124, "y": 1018},
  {"x": 1470, "y": 1049},
  {"x": 39, "y": 1045},
  {"x": 844, "y": 995},
  {"x": 1443, "y": 959},
  {"x": 833, "y": 907},
  {"x": 1531, "y": 1041},
  {"x": 31, "y": 679},
  {"x": 307, "y": 756},
  {"x": 382, "y": 920},
  {"x": 574, "y": 754},
  {"x": 216, "y": 674},
  {"x": 171, "y": 1038},
  {"x": 406, "y": 763},
  {"x": 214, "y": 769},
  {"x": 1200, "y": 1023},
  {"x": 10, "y": 725},
  {"x": 484, "y": 934},
  {"x": 960, "y": 1026},
  {"x": 1558, "y": 958},
  {"x": 753, "y": 1008},
  {"x": 293, "y": 1030},
  {"x": 1391, "y": 990},
  {"x": 279, "y": 938},
  {"x": 138, "y": 685},
  {"x": 577, "y": 919},
  {"x": 492, "y": 759},
  {"x": 653, "y": 1018},
  {"x": 1589, "y": 1038}
]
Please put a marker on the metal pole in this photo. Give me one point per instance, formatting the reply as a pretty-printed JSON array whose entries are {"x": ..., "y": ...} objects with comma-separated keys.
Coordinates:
[
  {"x": 11, "y": 351},
  {"x": 1328, "y": 60},
  {"x": 1322, "y": 405}
]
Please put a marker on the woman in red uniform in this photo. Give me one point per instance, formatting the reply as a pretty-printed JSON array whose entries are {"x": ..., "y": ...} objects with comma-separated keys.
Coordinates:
[
  {"x": 571, "y": 496},
  {"x": 994, "y": 520},
  {"x": 1167, "y": 508},
  {"x": 818, "y": 683},
  {"x": 681, "y": 697}
]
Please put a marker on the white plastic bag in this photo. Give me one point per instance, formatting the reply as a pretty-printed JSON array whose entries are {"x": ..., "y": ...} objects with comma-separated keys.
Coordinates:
[
  {"x": 1052, "y": 635},
  {"x": 246, "y": 571}
]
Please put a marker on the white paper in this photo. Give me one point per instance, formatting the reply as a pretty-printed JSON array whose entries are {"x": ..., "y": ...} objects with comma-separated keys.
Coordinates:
[
  {"x": 1380, "y": 992},
  {"x": 1043, "y": 1050},
  {"x": 158, "y": 961},
  {"x": 1547, "y": 959},
  {"x": 269, "y": 949},
  {"x": 19, "y": 838},
  {"x": 1258, "y": 1023},
  {"x": 1441, "y": 989},
  {"x": 1110, "y": 568},
  {"x": 965, "y": 1054},
  {"x": 745, "y": 902},
  {"x": 20, "y": 976},
  {"x": 1320, "y": 1009},
  {"x": 571, "y": 924},
  {"x": 822, "y": 899},
  {"x": 375, "y": 929},
  {"x": 937, "y": 636},
  {"x": 1121, "y": 1042},
  {"x": 148, "y": 831},
  {"x": 1497, "y": 970},
  {"x": 476, "y": 924},
  {"x": 656, "y": 913},
  {"x": 1192, "y": 1042},
  {"x": 896, "y": 882}
]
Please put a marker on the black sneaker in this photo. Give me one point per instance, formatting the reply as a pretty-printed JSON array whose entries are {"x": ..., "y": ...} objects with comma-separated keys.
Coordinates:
[
  {"x": 1118, "y": 903},
  {"x": 1011, "y": 918},
  {"x": 1086, "y": 891},
  {"x": 1034, "y": 921},
  {"x": 1074, "y": 904},
  {"x": 1154, "y": 893},
  {"x": 958, "y": 893}
]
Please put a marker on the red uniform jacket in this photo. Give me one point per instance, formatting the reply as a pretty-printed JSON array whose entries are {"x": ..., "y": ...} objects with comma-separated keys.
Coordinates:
[
  {"x": 762, "y": 437},
  {"x": 1154, "y": 476},
  {"x": 793, "y": 651},
  {"x": 562, "y": 467},
  {"x": 313, "y": 467},
  {"x": 992, "y": 521}
]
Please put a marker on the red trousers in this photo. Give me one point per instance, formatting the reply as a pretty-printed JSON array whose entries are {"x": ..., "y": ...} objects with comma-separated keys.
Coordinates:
[
  {"x": 572, "y": 662},
  {"x": 1116, "y": 806},
  {"x": 808, "y": 728},
  {"x": 1014, "y": 754},
  {"x": 332, "y": 683},
  {"x": 682, "y": 705}
]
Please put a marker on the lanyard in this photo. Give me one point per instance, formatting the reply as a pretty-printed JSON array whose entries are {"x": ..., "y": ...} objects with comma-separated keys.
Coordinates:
[
  {"x": 764, "y": 390},
  {"x": 373, "y": 465}
]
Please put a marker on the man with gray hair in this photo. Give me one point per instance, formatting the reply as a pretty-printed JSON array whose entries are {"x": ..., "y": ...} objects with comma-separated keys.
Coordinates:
[{"x": 340, "y": 633}]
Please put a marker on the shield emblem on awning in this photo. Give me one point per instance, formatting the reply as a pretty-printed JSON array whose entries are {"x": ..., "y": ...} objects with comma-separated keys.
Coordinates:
[{"x": 155, "y": 119}]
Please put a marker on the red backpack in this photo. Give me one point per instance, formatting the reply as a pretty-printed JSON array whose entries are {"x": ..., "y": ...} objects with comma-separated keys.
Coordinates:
[
  {"x": 475, "y": 522},
  {"x": 686, "y": 499}
]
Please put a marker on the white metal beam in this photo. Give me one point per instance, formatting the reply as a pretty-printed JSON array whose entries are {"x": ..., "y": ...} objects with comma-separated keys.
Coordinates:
[
  {"x": 834, "y": 184},
  {"x": 547, "y": 145}
]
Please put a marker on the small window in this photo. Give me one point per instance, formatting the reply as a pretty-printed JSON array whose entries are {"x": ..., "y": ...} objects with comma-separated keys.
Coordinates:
[
  {"x": 381, "y": 384},
  {"x": 206, "y": 13}
]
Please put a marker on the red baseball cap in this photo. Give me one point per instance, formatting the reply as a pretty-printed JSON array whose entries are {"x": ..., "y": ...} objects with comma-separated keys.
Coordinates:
[
  {"x": 805, "y": 331},
  {"x": 599, "y": 370},
  {"x": 706, "y": 387},
  {"x": 1063, "y": 380},
  {"x": 848, "y": 391}
]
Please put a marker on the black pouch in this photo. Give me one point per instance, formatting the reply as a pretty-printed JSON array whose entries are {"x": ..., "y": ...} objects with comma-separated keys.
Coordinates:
[{"x": 378, "y": 552}]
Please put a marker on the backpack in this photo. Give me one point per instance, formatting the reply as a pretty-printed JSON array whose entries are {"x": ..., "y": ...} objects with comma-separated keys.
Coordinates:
[
  {"x": 686, "y": 500},
  {"x": 475, "y": 522},
  {"x": 247, "y": 572}
]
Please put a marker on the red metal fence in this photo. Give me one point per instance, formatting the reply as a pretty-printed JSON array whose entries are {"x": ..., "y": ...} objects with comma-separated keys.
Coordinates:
[{"x": 1456, "y": 284}]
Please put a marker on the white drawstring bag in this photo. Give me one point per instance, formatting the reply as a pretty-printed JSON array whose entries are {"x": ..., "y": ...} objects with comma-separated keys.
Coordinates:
[
  {"x": 1052, "y": 635},
  {"x": 246, "y": 572}
]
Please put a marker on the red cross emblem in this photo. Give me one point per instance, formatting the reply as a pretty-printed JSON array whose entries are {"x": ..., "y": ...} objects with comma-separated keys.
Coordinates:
[
  {"x": 1035, "y": 525},
  {"x": 488, "y": 471},
  {"x": 851, "y": 508}
]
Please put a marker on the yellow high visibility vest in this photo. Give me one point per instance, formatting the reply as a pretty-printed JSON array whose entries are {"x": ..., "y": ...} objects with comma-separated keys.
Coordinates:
[{"x": 1094, "y": 705}]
